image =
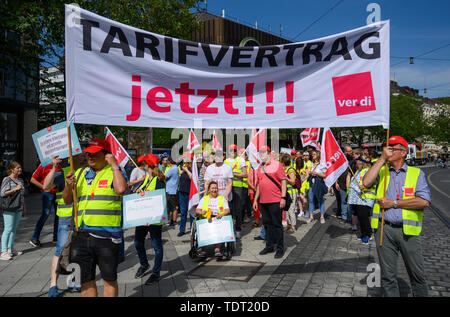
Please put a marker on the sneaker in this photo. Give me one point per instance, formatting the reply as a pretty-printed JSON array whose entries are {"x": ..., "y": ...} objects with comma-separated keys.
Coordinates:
[
  {"x": 358, "y": 237},
  {"x": 5, "y": 256},
  {"x": 151, "y": 279},
  {"x": 309, "y": 220},
  {"x": 322, "y": 220},
  {"x": 35, "y": 243},
  {"x": 15, "y": 252},
  {"x": 141, "y": 271},
  {"x": 75, "y": 289},
  {"x": 180, "y": 234},
  {"x": 300, "y": 215},
  {"x": 365, "y": 240},
  {"x": 53, "y": 292}
]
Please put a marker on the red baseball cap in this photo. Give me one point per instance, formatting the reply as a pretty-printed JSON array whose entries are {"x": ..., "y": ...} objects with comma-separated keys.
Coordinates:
[
  {"x": 141, "y": 159},
  {"x": 232, "y": 147},
  {"x": 241, "y": 150},
  {"x": 97, "y": 145},
  {"x": 365, "y": 146},
  {"x": 264, "y": 148},
  {"x": 398, "y": 140},
  {"x": 293, "y": 152},
  {"x": 151, "y": 160}
]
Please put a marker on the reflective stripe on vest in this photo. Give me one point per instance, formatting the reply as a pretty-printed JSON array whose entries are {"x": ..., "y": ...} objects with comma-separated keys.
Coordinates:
[
  {"x": 412, "y": 218},
  {"x": 205, "y": 206},
  {"x": 290, "y": 189},
  {"x": 369, "y": 193},
  {"x": 98, "y": 204},
  {"x": 245, "y": 180},
  {"x": 237, "y": 182},
  {"x": 62, "y": 209}
]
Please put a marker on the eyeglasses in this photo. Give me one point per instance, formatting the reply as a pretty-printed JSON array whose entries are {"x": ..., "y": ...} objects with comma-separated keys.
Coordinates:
[
  {"x": 93, "y": 155},
  {"x": 396, "y": 149}
]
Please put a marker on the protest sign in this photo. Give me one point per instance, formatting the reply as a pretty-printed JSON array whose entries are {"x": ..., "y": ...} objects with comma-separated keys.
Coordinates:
[
  {"x": 215, "y": 231},
  {"x": 143, "y": 208},
  {"x": 133, "y": 77},
  {"x": 53, "y": 141}
]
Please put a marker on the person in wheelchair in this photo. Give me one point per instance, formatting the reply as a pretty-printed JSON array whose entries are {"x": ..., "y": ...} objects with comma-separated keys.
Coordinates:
[{"x": 212, "y": 205}]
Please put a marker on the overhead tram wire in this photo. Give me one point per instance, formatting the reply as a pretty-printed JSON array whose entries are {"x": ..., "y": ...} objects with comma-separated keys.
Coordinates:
[
  {"x": 318, "y": 19},
  {"x": 414, "y": 57}
]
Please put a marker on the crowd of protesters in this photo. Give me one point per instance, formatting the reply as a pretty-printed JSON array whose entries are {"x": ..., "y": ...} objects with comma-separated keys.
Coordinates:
[{"x": 285, "y": 190}]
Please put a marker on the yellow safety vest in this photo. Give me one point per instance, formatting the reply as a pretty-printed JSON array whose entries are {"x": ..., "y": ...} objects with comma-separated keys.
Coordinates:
[
  {"x": 98, "y": 204},
  {"x": 305, "y": 183},
  {"x": 237, "y": 182},
  {"x": 205, "y": 206},
  {"x": 247, "y": 163},
  {"x": 166, "y": 170},
  {"x": 149, "y": 185},
  {"x": 63, "y": 210},
  {"x": 412, "y": 218},
  {"x": 290, "y": 189},
  {"x": 369, "y": 193}
]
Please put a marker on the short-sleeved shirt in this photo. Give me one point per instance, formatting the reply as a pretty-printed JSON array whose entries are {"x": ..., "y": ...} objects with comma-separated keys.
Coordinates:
[
  {"x": 268, "y": 191},
  {"x": 395, "y": 190},
  {"x": 354, "y": 193},
  {"x": 172, "y": 180},
  {"x": 42, "y": 171},
  {"x": 220, "y": 175},
  {"x": 213, "y": 204}
]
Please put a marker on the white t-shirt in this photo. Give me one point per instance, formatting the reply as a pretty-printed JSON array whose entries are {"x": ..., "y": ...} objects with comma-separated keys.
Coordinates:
[
  {"x": 242, "y": 165},
  {"x": 135, "y": 175},
  {"x": 213, "y": 204},
  {"x": 220, "y": 175}
]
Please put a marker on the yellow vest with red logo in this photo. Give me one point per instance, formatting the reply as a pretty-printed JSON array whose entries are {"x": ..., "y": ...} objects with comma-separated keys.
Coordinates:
[
  {"x": 205, "y": 206},
  {"x": 236, "y": 166}
]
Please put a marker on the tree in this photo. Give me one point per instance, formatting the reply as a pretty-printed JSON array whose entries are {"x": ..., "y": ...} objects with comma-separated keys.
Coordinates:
[
  {"x": 439, "y": 125},
  {"x": 407, "y": 118}
]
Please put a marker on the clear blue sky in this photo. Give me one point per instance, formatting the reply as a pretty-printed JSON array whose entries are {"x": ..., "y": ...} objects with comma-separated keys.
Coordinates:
[{"x": 417, "y": 26}]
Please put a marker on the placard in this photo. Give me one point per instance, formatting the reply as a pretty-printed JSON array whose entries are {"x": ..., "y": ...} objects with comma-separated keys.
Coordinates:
[
  {"x": 215, "y": 231},
  {"x": 53, "y": 141},
  {"x": 148, "y": 207}
]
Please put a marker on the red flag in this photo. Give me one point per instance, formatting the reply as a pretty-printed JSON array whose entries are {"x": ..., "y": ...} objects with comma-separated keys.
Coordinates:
[
  {"x": 332, "y": 157},
  {"x": 310, "y": 136},
  {"x": 117, "y": 149},
  {"x": 192, "y": 142},
  {"x": 193, "y": 192},
  {"x": 252, "y": 149},
  {"x": 216, "y": 145}
]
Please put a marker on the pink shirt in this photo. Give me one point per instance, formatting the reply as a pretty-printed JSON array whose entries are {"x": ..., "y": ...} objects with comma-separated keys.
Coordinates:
[
  {"x": 252, "y": 179},
  {"x": 268, "y": 191}
]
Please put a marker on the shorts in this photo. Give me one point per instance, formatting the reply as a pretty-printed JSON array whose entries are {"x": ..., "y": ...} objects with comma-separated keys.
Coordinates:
[
  {"x": 63, "y": 234},
  {"x": 172, "y": 202},
  {"x": 88, "y": 252}
]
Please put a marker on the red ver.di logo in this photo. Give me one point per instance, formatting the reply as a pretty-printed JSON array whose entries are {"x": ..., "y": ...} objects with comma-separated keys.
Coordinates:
[{"x": 353, "y": 93}]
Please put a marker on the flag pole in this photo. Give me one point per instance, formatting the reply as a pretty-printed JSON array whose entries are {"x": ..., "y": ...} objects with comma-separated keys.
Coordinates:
[
  {"x": 74, "y": 188},
  {"x": 384, "y": 192}
]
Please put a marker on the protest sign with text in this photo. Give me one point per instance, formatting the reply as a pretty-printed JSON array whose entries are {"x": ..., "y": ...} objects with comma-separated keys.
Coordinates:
[
  {"x": 137, "y": 78},
  {"x": 143, "y": 208},
  {"x": 215, "y": 231}
]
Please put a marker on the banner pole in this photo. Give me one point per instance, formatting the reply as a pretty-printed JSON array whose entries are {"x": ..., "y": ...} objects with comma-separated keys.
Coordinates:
[
  {"x": 362, "y": 194},
  {"x": 74, "y": 188},
  {"x": 384, "y": 192}
]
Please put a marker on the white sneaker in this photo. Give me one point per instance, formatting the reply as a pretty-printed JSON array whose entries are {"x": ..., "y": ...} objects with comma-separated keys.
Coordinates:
[
  {"x": 14, "y": 252},
  {"x": 300, "y": 215},
  {"x": 5, "y": 256}
]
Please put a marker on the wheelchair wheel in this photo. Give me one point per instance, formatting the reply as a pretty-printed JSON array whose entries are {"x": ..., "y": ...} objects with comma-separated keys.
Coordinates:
[{"x": 194, "y": 242}]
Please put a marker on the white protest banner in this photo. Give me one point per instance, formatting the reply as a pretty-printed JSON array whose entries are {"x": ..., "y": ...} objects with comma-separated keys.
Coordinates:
[
  {"x": 132, "y": 77},
  {"x": 143, "y": 208},
  {"x": 53, "y": 141},
  {"x": 215, "y": 231}
]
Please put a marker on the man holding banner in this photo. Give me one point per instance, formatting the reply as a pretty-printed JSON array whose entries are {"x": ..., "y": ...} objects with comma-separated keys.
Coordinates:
[
  {"x": 407, "y": 194},
  {"x": 99, "y": 189}
]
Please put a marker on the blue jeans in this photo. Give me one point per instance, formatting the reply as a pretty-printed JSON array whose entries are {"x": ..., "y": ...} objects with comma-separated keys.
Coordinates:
[
  {"x": 48, "y": 200},
  {"x": 344, "y": 207},
  {"x": 11, "y": 221},
  {"x": 184, "y": 204},
  {"x": 311, "y": 204},
  {"x": 139, "y": 244},
  {"x": 63, "y": 234}
]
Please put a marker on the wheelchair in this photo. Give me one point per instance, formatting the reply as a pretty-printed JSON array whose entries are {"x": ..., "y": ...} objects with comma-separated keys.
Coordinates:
[{"x": 227, "y": 248}]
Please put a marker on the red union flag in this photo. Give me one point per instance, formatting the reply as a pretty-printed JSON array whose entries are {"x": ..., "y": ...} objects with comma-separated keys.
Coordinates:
[
  {"x": 192, "y": 142},
  {"x": 332, "y": 157},
  {"x": 216, "y": 144},
  {"x": 310, "y": 136},
  {"x": 257, "y": 140},
  {"x": 193, "y": 191},
  {"x": 117, "y": 149}
]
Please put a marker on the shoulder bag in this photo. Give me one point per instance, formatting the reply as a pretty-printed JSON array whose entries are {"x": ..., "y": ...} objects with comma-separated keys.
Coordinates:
[
  {"x": 11, "y": 202},
  {"x": 288, "y": 197}
]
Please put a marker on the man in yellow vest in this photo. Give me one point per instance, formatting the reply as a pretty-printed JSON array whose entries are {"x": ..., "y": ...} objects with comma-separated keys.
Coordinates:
[
  {"x": 407, "y": 194},
  {"x": 99, "y": 189},
  {"x": 56, "y": 179},
  {"x": 239, "y": 192}
]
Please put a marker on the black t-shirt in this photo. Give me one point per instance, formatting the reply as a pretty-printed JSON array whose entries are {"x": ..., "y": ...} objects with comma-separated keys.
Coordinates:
[{"x": 185, "y": 183}]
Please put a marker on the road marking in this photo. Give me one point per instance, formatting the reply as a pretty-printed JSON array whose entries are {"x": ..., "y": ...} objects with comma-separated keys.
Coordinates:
[{"x": 429, "y": 182}]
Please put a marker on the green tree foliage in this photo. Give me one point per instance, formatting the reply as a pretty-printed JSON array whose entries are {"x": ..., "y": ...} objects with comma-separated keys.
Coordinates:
[
  {"x": 407, "y": 119},
  {"x": 439, "y": 125}
]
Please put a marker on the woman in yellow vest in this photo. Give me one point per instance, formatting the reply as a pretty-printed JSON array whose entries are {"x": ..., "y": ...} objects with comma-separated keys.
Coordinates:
[
  {"x": 407, "y": 194},
  {"x": 212, "y": 205},
  {"x": 360, "y": 198},
  {"x": 292, "y": 190},
  {"x": 155, "y": 179},
  {"x": 301, "y": 168}
]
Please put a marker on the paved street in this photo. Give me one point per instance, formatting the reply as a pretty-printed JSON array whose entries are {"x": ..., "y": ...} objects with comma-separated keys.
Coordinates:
[{"x": 320, "y": 260}]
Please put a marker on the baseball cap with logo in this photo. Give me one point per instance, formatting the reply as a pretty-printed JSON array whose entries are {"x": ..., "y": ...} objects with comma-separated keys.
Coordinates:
[
  {"x": 97, "y": 145},
  {"x": 232, "y": 147},
  {"x": 398, "y": 140}
]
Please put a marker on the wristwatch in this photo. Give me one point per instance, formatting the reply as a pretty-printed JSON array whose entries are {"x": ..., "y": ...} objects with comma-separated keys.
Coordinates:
[
  {"x": 283, "y": 198},
  {"x": 395, "y": 204}
]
